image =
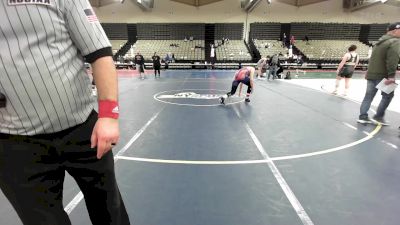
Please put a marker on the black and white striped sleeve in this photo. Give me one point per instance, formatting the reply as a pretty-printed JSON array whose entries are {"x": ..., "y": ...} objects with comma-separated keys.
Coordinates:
[{"x": 86, "y": 31}]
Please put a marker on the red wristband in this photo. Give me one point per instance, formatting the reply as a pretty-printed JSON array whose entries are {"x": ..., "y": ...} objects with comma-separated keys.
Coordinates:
[{"x": 108, "y": 109}]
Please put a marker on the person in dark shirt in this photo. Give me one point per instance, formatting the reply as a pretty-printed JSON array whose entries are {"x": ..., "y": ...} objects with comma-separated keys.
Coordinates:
[
  {"x": 284, "y": 40},
  {"x": 273, "y": 66},
  {"x": 306, "y": 39},
  {"x": 139, "y": 62},
  {"x": 156, "y": 64}
]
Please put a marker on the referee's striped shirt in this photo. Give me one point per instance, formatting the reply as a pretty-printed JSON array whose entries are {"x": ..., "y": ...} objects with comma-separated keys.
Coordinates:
[{"x": 42, "y": 74}]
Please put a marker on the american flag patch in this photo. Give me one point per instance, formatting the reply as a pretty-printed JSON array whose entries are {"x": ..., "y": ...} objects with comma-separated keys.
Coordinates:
[{"x": 91, "y": 17}]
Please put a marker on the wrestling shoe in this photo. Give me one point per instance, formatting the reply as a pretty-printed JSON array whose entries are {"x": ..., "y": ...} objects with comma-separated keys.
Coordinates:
[{"x": 222, "y": 100}]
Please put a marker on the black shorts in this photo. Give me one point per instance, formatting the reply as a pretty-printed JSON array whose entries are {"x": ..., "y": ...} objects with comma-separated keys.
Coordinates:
[
  {"x": 346, "y": 71},
  {"x": 236, "y": 83},
  {"x": 141, "y": 68}
]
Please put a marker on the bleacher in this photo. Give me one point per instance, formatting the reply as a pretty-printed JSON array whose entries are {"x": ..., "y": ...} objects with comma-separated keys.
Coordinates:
[
  {"x": 330, "y": 50},
  {"x": 182, "y": 50},
  {"x": 233, "y": 50},
  {"x": 328, "y": 41},
  {"x": 117, "y": 45},
  {"x": 233, "y": 31},
  {"x": 269, "y": 47},
  {"x": 326, "y": 31}
]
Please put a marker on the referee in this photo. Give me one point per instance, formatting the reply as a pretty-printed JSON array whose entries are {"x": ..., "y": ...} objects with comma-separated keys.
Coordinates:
[{"x": 47, "y": 122}]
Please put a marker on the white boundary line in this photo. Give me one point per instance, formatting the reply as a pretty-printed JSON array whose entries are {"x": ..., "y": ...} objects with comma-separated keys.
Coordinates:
[
  {"x": 136, "y": 136},
  {"x": 301, "y": 213},
  {"x": 370, "y": 135},
  {"x": 79, "y": 197},
  {"x": 193, "y": 162},
  {"x": 349, "y": 125},
  {"x": 321, "y": 152},
  {"x": 280, "y": 158}
]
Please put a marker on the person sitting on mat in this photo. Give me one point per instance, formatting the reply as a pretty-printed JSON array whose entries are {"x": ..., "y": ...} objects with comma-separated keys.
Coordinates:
[{"x": 242, "y": 76}]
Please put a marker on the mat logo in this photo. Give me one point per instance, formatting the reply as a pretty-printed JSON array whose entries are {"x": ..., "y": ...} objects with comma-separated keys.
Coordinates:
[{"x": 190, "y": 95}]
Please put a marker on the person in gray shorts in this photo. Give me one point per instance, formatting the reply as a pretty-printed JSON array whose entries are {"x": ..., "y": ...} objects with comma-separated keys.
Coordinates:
[{"x": 346, "y": 68}]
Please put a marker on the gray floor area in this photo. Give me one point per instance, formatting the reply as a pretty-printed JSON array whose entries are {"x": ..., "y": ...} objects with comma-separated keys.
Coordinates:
[{"x": 195, "y": 162}]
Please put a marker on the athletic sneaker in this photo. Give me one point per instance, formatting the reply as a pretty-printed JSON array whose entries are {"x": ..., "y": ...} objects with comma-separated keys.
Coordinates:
[
  {"x": 365, "y": 120},
  {"x": 247, "y": 100},
  {"x": 334, "y": 92},
  {"x": 222, "y": 100},
  {"x": 380, "y": 121}
]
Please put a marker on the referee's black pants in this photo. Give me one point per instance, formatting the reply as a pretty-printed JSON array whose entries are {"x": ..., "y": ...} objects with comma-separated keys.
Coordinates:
[{"x": 32, "y": 171}]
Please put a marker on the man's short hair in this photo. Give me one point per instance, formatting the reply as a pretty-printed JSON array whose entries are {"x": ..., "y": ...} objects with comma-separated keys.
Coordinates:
[{"x": 352, "y": 48}]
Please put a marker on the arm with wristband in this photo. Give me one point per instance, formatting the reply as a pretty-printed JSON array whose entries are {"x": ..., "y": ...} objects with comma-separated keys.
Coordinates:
[
  {"x": 106, "y": 131},
  {"x": 99, "y": 54}
]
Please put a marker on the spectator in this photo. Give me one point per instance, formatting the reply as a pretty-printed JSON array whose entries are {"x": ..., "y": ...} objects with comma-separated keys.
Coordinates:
[
  {"x": 284, "y": 40},
  {"x": 173, "y": 57},
  {"x": 292, "y": 40},
  {"x": 273, "y": 66},
  {"x": 139, "y": 63},
  {"x": 262, "y": 66},
  {"x": 382, "y": 64},
  {"x": 156, "y": 64},
  {"x": 168, "y": 60},
  {"x": 307, "y": 39},
  {"x": 212, "y": 55}
]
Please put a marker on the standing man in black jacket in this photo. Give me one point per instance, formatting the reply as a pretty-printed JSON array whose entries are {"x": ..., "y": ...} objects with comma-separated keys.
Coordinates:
[
  {"x": 139, "y": 62},
  {"x": 156, "y": 64}
]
